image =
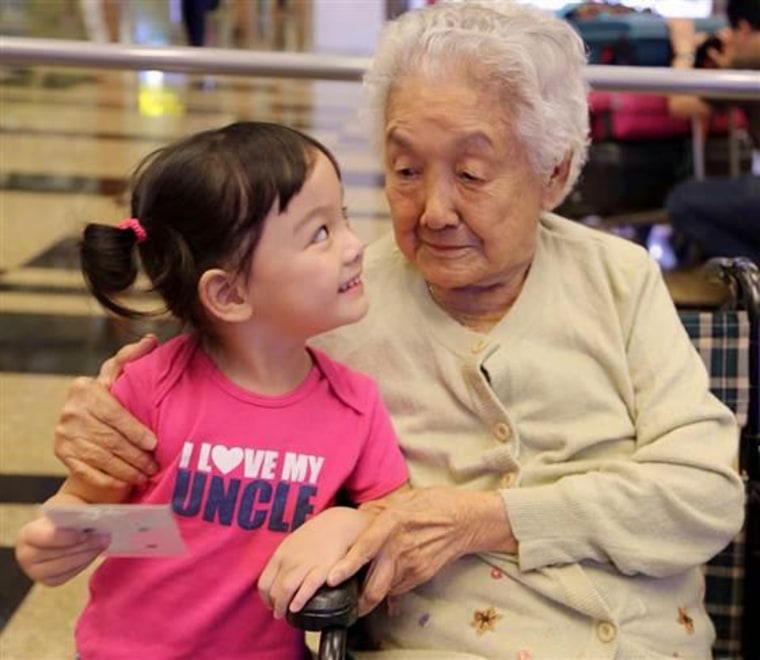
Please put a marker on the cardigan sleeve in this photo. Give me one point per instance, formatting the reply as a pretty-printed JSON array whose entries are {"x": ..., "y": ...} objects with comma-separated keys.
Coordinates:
[{"x": 677, "y": 499}]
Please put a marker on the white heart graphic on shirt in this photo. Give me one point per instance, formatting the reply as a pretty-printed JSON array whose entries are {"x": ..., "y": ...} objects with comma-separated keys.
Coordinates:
[{"x": 226, "y": 459}]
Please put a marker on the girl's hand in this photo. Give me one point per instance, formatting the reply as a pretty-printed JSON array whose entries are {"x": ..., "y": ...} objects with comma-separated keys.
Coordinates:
[
  {"x": 52, "y": 555},
  {"x": 302, "y": 561}
]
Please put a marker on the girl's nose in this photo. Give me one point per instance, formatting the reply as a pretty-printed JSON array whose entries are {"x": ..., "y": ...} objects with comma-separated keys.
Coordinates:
[{"x": 354, "y": 250}]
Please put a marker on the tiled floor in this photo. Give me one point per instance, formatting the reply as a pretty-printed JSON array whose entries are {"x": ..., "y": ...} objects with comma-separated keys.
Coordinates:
[{"x": 68, "y": 139}]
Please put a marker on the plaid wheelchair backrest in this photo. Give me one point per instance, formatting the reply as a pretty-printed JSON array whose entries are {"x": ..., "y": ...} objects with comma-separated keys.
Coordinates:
[{"x": 722, "y": 338}]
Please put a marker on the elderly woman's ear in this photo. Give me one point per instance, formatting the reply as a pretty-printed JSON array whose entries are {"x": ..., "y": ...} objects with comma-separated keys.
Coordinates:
[{"x": 554, "y": 191}]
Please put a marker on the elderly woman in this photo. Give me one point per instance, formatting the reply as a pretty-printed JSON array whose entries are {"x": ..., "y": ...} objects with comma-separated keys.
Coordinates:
[{"x": 570, "y": 469}]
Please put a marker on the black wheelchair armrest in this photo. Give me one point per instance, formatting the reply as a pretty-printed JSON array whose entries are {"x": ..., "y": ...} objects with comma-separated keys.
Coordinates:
[
  {"x": 330, "y": 607},
  {"x": 330, "y": 612}
]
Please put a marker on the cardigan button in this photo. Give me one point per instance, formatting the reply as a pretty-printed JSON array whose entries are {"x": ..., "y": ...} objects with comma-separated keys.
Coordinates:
[
  {"x": 606, "y": 631},
  {"x": 478, "y": 346},
  {"x": 502, "y": 431},
  {"x": 508, "y": 480}
]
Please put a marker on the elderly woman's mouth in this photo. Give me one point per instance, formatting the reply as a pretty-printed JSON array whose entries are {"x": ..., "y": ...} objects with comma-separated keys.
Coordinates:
[{"x": 445, "y": 250}]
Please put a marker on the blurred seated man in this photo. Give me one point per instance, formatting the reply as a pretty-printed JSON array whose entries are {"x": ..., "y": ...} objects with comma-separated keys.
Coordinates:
[{"x": 720, "y": 216}]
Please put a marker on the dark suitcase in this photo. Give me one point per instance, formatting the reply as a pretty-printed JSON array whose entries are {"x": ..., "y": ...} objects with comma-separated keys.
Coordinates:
[
  {"x": 630, "y": 178},
  {"x": 630, "y": 116},
  {"x": 639, "y": 151},
  {"x": 620, "y": 35},
  {"x": 627, "y": 177}
]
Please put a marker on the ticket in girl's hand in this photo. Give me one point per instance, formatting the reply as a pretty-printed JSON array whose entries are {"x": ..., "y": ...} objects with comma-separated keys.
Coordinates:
[{"x": 137, "y": 530}]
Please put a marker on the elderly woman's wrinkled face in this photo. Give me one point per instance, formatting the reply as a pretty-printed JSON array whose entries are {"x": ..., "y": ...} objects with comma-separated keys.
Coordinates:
[{"x": 464, "y": 198}]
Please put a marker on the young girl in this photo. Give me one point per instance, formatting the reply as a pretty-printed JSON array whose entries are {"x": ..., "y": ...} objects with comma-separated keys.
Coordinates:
[{"x": 242, "y": 232}]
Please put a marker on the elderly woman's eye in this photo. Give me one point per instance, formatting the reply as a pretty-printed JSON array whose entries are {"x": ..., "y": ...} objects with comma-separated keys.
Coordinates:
[
  {"x": 405, "y": 172},
  {"x": 469, "y": 176}
]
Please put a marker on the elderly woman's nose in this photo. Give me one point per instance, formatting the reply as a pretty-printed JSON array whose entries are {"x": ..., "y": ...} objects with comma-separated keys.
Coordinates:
[{"x": 439, "y": 208}]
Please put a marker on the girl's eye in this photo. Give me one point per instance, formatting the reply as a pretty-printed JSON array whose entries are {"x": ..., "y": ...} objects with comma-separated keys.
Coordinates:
[{"x": 322, "y": 234}]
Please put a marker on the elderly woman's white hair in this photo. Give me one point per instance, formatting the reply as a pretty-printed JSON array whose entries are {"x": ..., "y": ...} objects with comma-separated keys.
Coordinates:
[{"x": 533, "y": 60}]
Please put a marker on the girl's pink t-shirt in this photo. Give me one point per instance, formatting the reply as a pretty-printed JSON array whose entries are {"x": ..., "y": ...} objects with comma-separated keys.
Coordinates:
[{"x": 241, "y": 471}]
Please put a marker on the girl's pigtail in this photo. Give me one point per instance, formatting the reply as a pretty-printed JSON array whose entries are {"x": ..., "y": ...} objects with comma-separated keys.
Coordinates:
[{"x": 109, "y": 262}]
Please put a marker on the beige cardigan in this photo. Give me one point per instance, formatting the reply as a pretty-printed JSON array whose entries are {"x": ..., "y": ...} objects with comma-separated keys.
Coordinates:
[{"x": 588, "y": 408}]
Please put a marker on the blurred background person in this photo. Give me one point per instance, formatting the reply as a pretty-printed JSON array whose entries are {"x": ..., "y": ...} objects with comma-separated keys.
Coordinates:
[
  {"x": 194, "y": 19},
  {"x": 101, "y": 20},
  {"x": 719, "y": 216}
]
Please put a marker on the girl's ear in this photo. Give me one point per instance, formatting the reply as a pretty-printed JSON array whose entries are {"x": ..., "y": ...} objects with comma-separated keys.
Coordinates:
[{"x": 223, "y": 295}]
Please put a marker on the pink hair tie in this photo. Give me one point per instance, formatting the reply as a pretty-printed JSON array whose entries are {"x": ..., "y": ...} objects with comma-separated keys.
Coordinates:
[{"x": 136, "y": 227}]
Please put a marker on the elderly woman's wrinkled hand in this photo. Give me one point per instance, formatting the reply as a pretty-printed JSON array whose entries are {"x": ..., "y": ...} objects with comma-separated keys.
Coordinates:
[
  {"x": 96, "y": 438},
  {"x": 111, "y": 369},
  {"x": 417, "y": 533}
]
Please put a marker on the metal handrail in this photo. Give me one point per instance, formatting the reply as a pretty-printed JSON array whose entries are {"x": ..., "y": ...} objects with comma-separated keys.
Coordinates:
[{"x": 58, "y": 52}]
